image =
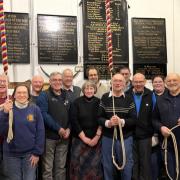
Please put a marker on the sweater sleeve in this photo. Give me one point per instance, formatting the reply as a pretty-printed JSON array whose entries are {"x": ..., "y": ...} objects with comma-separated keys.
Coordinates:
[
  {"x": 74, "y": 118},
  {"x": 101, "y": 113},
  {"x": 156, "y": 120},
  {"x": 42, "y": 102},
  {"x": 40, "y": 133},
  {"x": 131, "y": 120},
  {"x": 3, "y": 122}
]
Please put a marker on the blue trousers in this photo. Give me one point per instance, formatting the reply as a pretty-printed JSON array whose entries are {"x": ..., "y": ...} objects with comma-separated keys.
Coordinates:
[
  {"x": 108, "y": 166},
  {"x": 19, "y": 168},
  {"x": 156, "y": 162}
]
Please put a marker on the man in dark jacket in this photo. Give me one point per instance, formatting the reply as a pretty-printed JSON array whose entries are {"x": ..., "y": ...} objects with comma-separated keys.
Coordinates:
[
  {"x": 143, "y": 131},
  {"x": 54, "y": 107},
  {"x": 167, "y": 115},
  {"x": 72, "y": 91},
  {"x": 126, "y": 72}
]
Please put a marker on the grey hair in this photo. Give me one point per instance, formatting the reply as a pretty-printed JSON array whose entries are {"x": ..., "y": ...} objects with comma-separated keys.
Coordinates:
[
  {"x": 54, "y": 74},
  {"x": 89, "y": 84}
]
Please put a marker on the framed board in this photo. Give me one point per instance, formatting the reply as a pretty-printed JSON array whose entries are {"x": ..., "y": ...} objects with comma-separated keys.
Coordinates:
[
  {"x": 94, "y": 32},
  {"x": 150, "y": 70},
  {"x": 103, "y": 69},
  {"x": 17, "y": 33},
  {"x": 57, "y": 39},
  {"x": 149, "y": 40}
]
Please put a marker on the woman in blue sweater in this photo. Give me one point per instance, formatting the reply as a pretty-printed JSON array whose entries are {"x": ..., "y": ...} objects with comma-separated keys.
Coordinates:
[{"x": 21, "y": 154}]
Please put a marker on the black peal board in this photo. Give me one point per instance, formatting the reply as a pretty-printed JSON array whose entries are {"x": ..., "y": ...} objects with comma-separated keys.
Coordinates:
[
  {"x": 17, "y": 33},
  {"x": 150, "y": 70},
  {"x": 149, "y": 40},
  {"x": 103, "y": 69},
  {"x": 57, "y": 39},
  {"x": 94, "y": 31}
]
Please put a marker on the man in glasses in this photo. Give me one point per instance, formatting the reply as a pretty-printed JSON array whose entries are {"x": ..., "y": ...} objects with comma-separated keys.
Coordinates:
[
  {"x": 143, "y": 131},
  {"x": 54, "y": 106}
]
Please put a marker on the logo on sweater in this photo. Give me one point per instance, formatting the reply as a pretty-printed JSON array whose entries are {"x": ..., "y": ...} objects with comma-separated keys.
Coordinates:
[
  {"x": 66, "y": 102},
  {"x": 30, "y": 117}
]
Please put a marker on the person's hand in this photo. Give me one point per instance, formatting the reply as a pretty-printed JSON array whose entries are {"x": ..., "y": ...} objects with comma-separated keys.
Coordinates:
[
  {"x": 114, "y": 120},
  {"x": 179, "y": 121},
  {"x": 62, "y": 132},
  {"x": 121, "y": 122},
  {"x": 99, "y": 130},
  {"x": 94, "y": 141},
  {"x": 85, "y": 139},
  {"x": 165, "y": 131},
  {"x": 34, "y": 160},
  {"x": 67, "y": 133},
  {"x": 7, "y": 106}
]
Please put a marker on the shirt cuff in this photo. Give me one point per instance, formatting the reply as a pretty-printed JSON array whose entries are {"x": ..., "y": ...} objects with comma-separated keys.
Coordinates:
[
  {"x": 122, "y": 121},
  {"x": 107, "y": 123}
]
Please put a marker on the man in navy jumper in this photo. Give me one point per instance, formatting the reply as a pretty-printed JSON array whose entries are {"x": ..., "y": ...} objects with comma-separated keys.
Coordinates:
[
  {"x": 167, "y": 115},
  {"x": 54, "y": 107}
]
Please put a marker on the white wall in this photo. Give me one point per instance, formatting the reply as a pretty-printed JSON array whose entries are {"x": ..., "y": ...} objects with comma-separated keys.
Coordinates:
[{"x": 168, "y": 9}]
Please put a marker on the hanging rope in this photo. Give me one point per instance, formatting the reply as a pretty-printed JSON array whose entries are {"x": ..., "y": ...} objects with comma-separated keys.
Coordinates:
[
  {"x": 5, "y": 65},
  {"x": 110, "y": 64},
  {"x": 164, "y": 146}
]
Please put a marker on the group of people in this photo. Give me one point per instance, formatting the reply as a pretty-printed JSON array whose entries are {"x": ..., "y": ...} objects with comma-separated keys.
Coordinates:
[{"x": 66, "y": 132}]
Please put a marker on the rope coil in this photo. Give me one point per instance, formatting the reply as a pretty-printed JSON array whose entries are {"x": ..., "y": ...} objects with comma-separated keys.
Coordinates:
[{"x": 164, "y": 146}]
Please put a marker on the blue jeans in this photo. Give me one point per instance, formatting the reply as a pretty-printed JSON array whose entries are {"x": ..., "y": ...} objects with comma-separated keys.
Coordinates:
[
  {"x": 108, "y": 166},
  {"x": 19, "y": 168}
]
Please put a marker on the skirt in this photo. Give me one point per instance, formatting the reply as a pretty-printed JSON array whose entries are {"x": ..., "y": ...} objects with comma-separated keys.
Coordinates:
[{"x": 85, "y": 161}]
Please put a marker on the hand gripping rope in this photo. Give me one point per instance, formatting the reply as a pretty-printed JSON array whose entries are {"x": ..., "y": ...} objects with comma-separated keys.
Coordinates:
[
  {"x": 5, "y": 65},
  {"x": 164, "y": 146}
]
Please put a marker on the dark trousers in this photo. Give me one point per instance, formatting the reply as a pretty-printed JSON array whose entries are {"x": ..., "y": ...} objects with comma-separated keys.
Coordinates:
[
  {"x": 142, "y": 159},
  {"x": 156, "y": 162},
  {"x": 171, "y": 163},
  {"x": 2, "y": 174}
]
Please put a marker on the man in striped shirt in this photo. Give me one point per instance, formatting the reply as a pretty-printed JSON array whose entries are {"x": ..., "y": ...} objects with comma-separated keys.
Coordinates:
[{"x": 123, "y": 113}]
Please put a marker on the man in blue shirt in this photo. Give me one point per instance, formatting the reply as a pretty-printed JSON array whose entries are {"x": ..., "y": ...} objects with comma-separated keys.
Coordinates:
[{"x": 143, "y": 131}]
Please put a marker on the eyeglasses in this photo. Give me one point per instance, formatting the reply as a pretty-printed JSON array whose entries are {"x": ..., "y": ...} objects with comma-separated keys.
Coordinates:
[
  {"x": 118, "y": 81},
  {"x": 2, "y": 81},
  {"x": 138, "y": 82},
  {"x": 124, "y": 74},
  {"x": 56, "y": 80}
]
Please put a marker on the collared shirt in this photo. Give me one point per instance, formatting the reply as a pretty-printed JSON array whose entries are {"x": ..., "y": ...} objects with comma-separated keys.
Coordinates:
[
  {"x": 69, "y": 89},
  {"x": 111, "y": 94}
]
